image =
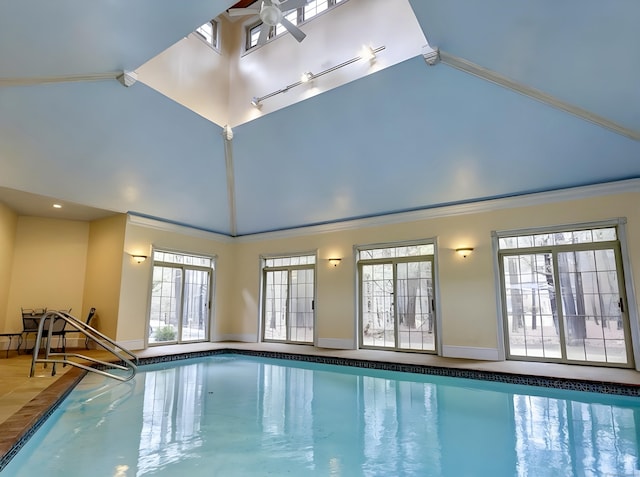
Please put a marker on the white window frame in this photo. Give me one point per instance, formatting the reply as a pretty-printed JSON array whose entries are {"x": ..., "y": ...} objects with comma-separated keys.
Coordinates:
[
  {"x": 261, "y": 306},
  {"x": 436, "y": 291},
  {"x": 250, "y": 24},
  {"x": 629, "y": 288},
  {"x": 216, "y": 36},
  {"x": 212, "y": 291}
]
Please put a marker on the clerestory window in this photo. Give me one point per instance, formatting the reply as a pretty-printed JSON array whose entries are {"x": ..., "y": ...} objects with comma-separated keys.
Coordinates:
[
  {"x": 209, "y": 33},
  {"x": 297, "y": 17}
]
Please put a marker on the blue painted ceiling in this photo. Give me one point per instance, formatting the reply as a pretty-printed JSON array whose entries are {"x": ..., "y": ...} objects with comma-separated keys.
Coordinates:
[{"x": 408, "y": 137}]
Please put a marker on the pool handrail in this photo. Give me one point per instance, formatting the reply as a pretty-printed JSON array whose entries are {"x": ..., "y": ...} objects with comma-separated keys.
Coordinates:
[{"x": 120, "y": 352}]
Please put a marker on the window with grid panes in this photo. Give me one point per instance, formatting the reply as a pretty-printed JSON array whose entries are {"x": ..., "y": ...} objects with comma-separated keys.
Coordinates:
[
  {"x": 563, "y": 296},
  {"x": 396, "y": 297},
  {"x": 288, "y": 299},
  {"x": 209, "y": 33},
  {"x": 180, "y": 306}
]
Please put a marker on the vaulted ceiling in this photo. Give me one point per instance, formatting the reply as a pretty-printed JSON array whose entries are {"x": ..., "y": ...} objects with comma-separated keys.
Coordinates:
[{"x": 529, "y": 96}]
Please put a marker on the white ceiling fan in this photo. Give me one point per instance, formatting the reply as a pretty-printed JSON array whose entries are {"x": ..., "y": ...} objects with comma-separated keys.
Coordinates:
[{"x": 272, "y": 12}]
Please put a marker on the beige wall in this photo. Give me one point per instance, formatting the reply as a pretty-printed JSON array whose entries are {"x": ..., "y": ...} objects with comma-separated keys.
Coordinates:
[
  {"x": 194, "y": 75},
  {"x": 49, "y": 265},
  {"x": 136, "y": 278},
  {"x": 104, "y": 272},
  {"x": 60, "y": 264},
  {"x": 8, "y": 226},
  {"x": 467, "y": 293}
]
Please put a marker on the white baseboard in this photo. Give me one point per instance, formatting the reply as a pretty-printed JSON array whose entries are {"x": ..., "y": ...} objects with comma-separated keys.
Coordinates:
[
  {"x": 466, "y": 352},
  {"x": 335, "y": 343},
  {"x": 241, "y": 337}
]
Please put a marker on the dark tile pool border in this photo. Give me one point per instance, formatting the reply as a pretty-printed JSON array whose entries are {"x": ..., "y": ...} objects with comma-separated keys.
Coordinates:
[{"x": 601, "y": 387}]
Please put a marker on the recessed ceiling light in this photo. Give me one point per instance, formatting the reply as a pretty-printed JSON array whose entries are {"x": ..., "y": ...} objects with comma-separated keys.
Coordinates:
[{"x": 57, "y": 206}]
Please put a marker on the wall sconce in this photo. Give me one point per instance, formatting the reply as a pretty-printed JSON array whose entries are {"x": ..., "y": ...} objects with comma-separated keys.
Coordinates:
[
  {"x": 335, "y": 261},
  {"x": 139, "y": 258},
  {"x": 464, "y": 252}
]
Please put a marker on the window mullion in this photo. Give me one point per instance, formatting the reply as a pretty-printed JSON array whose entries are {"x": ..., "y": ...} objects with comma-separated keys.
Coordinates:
[
  {"x": 396, "y": 321},
  {"x": 182, "y": 298},
  {"x": 559, "y": 306},
  {"x": 287, "y": 308}
]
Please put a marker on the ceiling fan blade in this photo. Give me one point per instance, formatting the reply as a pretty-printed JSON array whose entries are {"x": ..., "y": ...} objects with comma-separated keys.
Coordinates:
[
  {"x": 297, "y": 33},
  {"x": 240, "y": 12},
  {"x": 264, "y": 34},
  {"x": 292, "y": 4}
]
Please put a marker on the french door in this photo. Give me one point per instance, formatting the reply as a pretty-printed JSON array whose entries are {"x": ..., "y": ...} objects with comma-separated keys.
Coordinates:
[
  {"x": 288, "y": 306},
  {"x": 566, "y": 304},
  {"x": 396, "y": 303},
  {"x": 180, "y": 299}
]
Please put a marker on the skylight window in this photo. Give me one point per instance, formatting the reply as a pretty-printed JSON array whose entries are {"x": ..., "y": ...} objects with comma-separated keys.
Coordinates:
[{"x": 209, "y": 33}]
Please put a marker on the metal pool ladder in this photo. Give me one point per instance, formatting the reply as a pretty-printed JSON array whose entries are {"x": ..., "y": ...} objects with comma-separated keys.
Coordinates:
[{"x": 127, "y": 361}]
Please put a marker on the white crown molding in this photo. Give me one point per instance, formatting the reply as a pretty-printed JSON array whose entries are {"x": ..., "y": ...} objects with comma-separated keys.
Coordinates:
[
  {"x": 175, "y": 228},
  {"x": 539, "y": 198},
  {"x": 59, "y": 79},
  {"x": 526, "y": 200}
]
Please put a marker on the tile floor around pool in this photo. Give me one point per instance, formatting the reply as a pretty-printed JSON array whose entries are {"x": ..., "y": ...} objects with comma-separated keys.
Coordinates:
[{"x": 24, "y": 400}]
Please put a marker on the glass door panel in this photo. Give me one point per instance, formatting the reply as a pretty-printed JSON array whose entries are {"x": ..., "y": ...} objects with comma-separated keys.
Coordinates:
[
  {"x": 166, "y": 298},
  {"x": 531, "y": 313},
  {"x": 275, "y": 305},
  {"x": 414, "y": 288},
  {"x": 301, "y": 312},
  {"x": 195, "y": 316},
  {"x": 378, "y": 320},
  {"x": 594, "y": 328}
]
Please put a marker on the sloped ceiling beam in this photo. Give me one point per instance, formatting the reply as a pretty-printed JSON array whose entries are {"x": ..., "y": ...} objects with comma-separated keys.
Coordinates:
[{"x": 489, "y": 75}]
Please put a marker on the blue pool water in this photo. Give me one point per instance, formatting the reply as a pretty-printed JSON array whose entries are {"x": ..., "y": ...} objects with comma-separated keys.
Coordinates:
[{"x": 244, "y": 416}]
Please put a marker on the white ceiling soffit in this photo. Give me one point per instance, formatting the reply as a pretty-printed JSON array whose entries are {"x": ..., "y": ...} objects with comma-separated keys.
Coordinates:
[
  {"x": 121, "y": 149},
  {"x": 28, "y": 204},
  {"x": 413, "y": 136},
  {"x": 583, "y": 52},
  {"x": 41, "y": 38}
]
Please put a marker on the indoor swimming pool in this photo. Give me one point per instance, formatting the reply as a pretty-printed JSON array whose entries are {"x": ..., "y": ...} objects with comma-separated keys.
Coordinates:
[{"x": 238, "y": 415}]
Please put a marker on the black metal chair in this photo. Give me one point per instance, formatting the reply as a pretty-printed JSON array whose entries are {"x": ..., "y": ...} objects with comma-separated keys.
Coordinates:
[
  {"x": 30, "y": 321},
  {"x": 59, "y": 329}
]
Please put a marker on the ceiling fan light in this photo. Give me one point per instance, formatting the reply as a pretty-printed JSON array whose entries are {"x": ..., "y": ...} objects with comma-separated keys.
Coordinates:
[{"x": 270, "y": 15}]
